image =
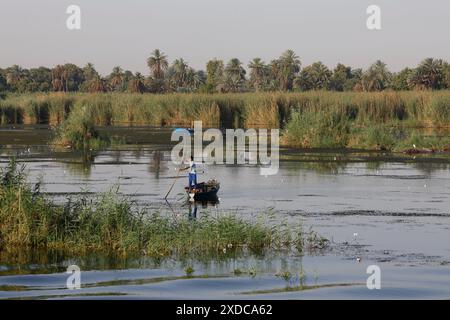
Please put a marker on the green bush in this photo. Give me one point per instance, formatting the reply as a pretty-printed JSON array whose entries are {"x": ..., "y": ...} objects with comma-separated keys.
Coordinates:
[
  {"x": 317, "y": 130},
  {"x": 378, "y": 138},
  {"x": 78, "y": 131}
]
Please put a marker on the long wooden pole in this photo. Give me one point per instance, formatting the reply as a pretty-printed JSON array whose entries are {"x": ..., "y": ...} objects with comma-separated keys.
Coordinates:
[{"x": 175, "y": 180}]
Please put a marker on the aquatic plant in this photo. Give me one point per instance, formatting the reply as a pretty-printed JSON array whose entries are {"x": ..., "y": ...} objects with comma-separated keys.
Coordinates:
[
  {"x": 237, "y": 272},
  {"x": 373, "y": 138},
  {"x": 419, "y": 143},
  {"x": 318, "y": 130},
  {"x": 285, "y": 275},
  {"x": 227, "y": 110},
  {"x": 189, "y": 270},
  {"x": 314, "y": 119},
  {"x": 111, "y": 223},
  {"x": 78, "y": 131}
]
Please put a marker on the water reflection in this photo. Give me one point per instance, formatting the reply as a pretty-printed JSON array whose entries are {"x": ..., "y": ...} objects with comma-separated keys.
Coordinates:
[
  {"x": 157, "y": 165},
  {"x": 302, "y": 187},
  {"x": 54, "y": 261},
  {"x": 80, "y": 164},
  {"x": 194, "y": 206},
  {"x": 429, "y": 167}
]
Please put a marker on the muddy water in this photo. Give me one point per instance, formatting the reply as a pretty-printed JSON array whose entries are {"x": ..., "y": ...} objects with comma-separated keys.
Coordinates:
[{"x": 383, "y": 209}]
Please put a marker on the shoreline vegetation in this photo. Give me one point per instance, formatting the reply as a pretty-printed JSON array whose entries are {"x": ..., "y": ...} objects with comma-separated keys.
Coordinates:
[
  {"x": 110, "y": 223},
  {"x": 284, "y": 73},
  {"x": 316, "y": 107},
  {"x": 405, "y": 121}
]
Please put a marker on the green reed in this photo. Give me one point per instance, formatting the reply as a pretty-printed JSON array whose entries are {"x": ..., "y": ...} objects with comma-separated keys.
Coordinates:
[
  {"x": 311, "y": 119},
  {"x": 108, "y": 222}
]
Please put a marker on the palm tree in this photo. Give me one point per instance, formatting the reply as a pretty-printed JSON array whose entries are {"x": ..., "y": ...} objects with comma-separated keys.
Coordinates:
[
  {"x": 3, "y": 85},
  {"x": 321, "y": 75},
  {"x": 234, "y": 68},
  {"x": 314, "y": 77},
  {"x": 355, "y": 82},
  {"x": 116, "y": 78},
  {"x": 137, "y": 84},
  {"x": 274, "y": 78},
  {"x": 340, "y": 78},
  {"x": 400, "y": 79},
  {"x": 179, "y": 74},
  {"x": 304, "y": 81},
  {"x": 288, "y": 67},
  {"x": 214, "y": 71},
  {"x": 13, "y": 74},
  {"x": 59, "y": 78},
  {"x": 258, "y": 71},
  {"x": 194, "y": 79},
  {"x": 199, "y": 79},
  {"x": 234, "y": 75},
  {"x": 89, "y": 72},
  {"x": 158, "y": 64},
  {"x": 73, "y": 77},
  {"x": 97, "y": 84},
  {"x": 430, "y": 74},
  {"x": 447, "y": 75},
  {"x": 377, "y": 77}
]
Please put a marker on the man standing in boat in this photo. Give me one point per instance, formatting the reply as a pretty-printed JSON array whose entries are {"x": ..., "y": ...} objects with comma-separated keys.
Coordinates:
[{"x": 192, "y": 173}]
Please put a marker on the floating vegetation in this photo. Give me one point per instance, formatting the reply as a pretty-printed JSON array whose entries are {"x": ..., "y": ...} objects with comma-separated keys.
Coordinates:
[{"x": 300, "y": 288}]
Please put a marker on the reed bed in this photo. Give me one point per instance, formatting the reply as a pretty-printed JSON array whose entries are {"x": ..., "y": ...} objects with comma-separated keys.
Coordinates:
[
  {"x": 109, "y": 222},
  {"x": 426, "y": 108},
  {"x": 309, "y": 119},
  {"x": 78, "y": 131}
]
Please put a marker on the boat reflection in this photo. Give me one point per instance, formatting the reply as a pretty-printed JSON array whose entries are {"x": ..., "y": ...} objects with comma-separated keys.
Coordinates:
[{"x": 195, "y": 205}]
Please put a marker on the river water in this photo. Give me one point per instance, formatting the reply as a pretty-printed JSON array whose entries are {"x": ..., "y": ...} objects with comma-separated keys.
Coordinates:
[{"x": 376, "y": 208}]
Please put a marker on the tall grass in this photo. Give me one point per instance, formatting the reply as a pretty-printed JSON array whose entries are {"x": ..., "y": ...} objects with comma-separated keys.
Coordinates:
[
  {"x": 425, "y": 108},
  {"x": 111, "y": 223},
  {"x": 78, "y": 131},
  {"x": 311, "y": 119},
  {"x": 317, "y": 129},
  {"x": 376, "y": 121},
  {"x": 36, "y": 108}
]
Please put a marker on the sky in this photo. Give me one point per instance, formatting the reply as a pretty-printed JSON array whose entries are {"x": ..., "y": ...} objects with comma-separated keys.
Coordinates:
[{"x": 124, "y": 33}]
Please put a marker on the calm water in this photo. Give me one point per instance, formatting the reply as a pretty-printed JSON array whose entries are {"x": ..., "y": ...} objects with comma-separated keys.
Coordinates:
[{"x": 392, "y": 211}]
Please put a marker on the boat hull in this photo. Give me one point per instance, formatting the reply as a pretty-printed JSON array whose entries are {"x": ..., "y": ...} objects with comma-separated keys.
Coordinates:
[{"x": 204, "y": 192}]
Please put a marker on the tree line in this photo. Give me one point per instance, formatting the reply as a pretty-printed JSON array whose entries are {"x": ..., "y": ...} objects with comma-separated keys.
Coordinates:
[{"x": 282, "y": 74}]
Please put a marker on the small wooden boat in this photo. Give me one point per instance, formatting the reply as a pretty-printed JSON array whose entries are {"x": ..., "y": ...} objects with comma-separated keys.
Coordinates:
[{"x": 204, "y": 191}]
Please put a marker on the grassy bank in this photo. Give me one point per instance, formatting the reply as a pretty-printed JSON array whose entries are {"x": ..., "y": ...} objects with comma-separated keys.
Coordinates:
[
  {"x": 380, "y": 120},
  {"x": 334, "y": 129},
  {"x": 110, "y": 223}
]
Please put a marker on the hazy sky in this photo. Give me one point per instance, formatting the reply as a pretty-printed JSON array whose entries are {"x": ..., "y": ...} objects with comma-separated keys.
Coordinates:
[{"x": 119, "y": 32}]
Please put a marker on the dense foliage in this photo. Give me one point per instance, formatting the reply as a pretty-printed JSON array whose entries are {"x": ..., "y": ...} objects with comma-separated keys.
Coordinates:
[{"x": 284, "y": 73}]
